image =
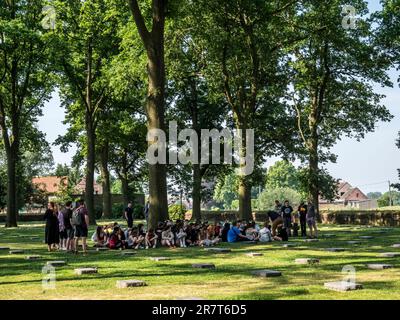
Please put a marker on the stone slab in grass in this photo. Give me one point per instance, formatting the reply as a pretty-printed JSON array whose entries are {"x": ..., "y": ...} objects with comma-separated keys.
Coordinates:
[
  {"x": 159, "y": 258},
  {"x": 130, "y": 283},
  {"x": 329, "y": 235},
  {"x": 81, "y": 271},
  {"x": 379, "y": 266},
  {"x": 354, "y": 242},
  {"x": 254, "y": 254},
  {"x": 128, "y": 253},
  {"x": 306, "y": 261},
  {"x": 33, "y": 257},
  {"x": 311, "y": 240},
  {"x": 56, "y": 263},
  {"x": 266, "y": 273},
  {"x": 4, "y": 248},
  {"x": 342, "y": 286},
  {"x": 289, "y": 245},
  {"x": 102, "y": 249},
  {"x": 396, "y": 245},
  {"x": 366, "y": 237},
  {"x": 218, "y": 250},
  {"x": 335, "y": 249},
  {"x": 389, "y": 254},
  {"x": 203, "y": 265},
  {"x": 16, "y": 251}
]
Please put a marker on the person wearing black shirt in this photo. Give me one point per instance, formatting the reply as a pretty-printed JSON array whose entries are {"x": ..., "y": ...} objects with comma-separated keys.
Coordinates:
[
  {"x": 302, "y": 211},
  {"x": 129, "y": 215},
  {"x": 52, "y": 236},
  {"x": 67, "y": 215},
  {"x": 287, "y": 216}
]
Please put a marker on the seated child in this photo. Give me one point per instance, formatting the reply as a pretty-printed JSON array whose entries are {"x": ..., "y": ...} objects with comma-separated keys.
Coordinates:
[
  {"x": 99, "y": 237},
  {"x": 114, "y": 241},
  {"x": 265, "y": 233},
  {"x": 136, "y": 240},
  {"x": 168, "y": 238},
  {"x": 181, "y": 237},
  {"x": 151, "y": 239}
]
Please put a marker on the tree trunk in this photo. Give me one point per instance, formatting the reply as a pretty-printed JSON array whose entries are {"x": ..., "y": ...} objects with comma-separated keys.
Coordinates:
[
  {"x": 12, "y": 203},
  {"x": 154, "y": 44},
  {"x": 245, "y": 199},
  {"x": 155, "y": 113},
  {"x": 244, "y": 181},
  {"x": 313, "y": 170},
  {"x": 105, "y": 178},
  {"x": 196, "y": 193},
  {"x": 90, "y": 167},
  {"x": 125, "y": 190}
]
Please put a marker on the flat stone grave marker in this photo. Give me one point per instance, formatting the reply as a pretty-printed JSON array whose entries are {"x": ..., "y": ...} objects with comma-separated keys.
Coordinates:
[
  {"x": 57, "y": 263},
  {"x": 379, "y": 231},
  {"x": 354, "y": 242},
  {"x": 102, "y": 249},
  {"x": 306, "y": 261},
  {"x": 254, "y": 254},
  {"x": 366, "y": 237},
  {"x": 266, "y": 273},
  {"x": 335, "y": 249},
  {"x": 33, "y": 257},
  {"x": 342, "y": 286},
  {"x": 390, "y": 254},
  {"x": 311, "y": 240},
  {"x": 396, "y": 245},
  {"x": 129, "y": 253},
  {"x": 130, "y": 283},
  {"x": 288, "y": 245},
  {"x": 4, "y": 248},
  {"x": 329, "y": 235},
  {"x": 81, "y": 271},
  {"x": 218, "y": 250},
  {"x": 203, "y": 265},
  {"x": 16, "y": 251},
  {"x": 378, "y": 266},
  {"x": 159, "y": 258}
]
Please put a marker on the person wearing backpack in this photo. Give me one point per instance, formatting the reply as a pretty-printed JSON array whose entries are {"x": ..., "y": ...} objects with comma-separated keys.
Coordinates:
[{"x": 80, "y": 221}]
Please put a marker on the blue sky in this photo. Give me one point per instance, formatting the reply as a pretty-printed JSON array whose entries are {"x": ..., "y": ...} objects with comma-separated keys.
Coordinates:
[{"x": 368, "y": 164}]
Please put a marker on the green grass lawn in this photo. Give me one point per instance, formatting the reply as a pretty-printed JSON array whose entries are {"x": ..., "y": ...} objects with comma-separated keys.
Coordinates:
[{"x": 176, "y": 279}]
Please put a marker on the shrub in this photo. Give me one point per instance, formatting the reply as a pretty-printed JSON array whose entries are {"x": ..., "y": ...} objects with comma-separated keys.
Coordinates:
[
  {"x": 118, "y": 210},
  {"x": 266, "y": 200},
  {"x": 175, "y": 211},
  {"x": 138, "y": 211}
]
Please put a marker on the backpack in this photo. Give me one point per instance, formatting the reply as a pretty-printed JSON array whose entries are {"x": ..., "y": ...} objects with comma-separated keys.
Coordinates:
[{"x": 77, "y": 218}]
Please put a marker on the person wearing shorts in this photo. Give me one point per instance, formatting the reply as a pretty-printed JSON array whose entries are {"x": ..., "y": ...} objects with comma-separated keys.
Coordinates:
[
  {"x": 311, "y": 220},
  {"x": 81, "y": 230}
]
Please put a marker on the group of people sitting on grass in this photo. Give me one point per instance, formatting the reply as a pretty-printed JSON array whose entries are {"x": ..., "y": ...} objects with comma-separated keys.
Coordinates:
[{"x": 64, "y": 229}]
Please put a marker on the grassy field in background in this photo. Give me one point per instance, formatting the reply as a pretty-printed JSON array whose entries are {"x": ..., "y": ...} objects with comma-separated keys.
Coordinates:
[{"x": 176, "y": 279}]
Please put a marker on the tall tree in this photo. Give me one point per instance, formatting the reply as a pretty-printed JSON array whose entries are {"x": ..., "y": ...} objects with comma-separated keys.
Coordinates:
[
  {"x": 332, "y": 96},
  {"x": 245, "y": 58},
  {"x": 153, "y": 41},
  {"x": 25, "y": 83},
  {"x": 86, "y": 43}
]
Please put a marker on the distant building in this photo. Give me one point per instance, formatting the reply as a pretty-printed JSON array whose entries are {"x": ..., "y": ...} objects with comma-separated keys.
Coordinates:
[
  {"x": 50, "y": 184},
  {"x": 81, "y": 187},
  {"x": 349, "y": 197}
]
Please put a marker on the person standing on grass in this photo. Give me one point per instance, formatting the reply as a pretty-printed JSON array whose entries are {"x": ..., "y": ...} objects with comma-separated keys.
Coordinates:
[
  {"x": 311, "y": 220},
  {"x": 63, "y": 231},
  {"x": 67, "y": 215},
  {"x": 286, "y": 213},
  {"x": 302, "y": 212},
  {"x": 80, "y": 221},
  {"x": 129, "y": 214},
  {"x": 52, "y": 236}
]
